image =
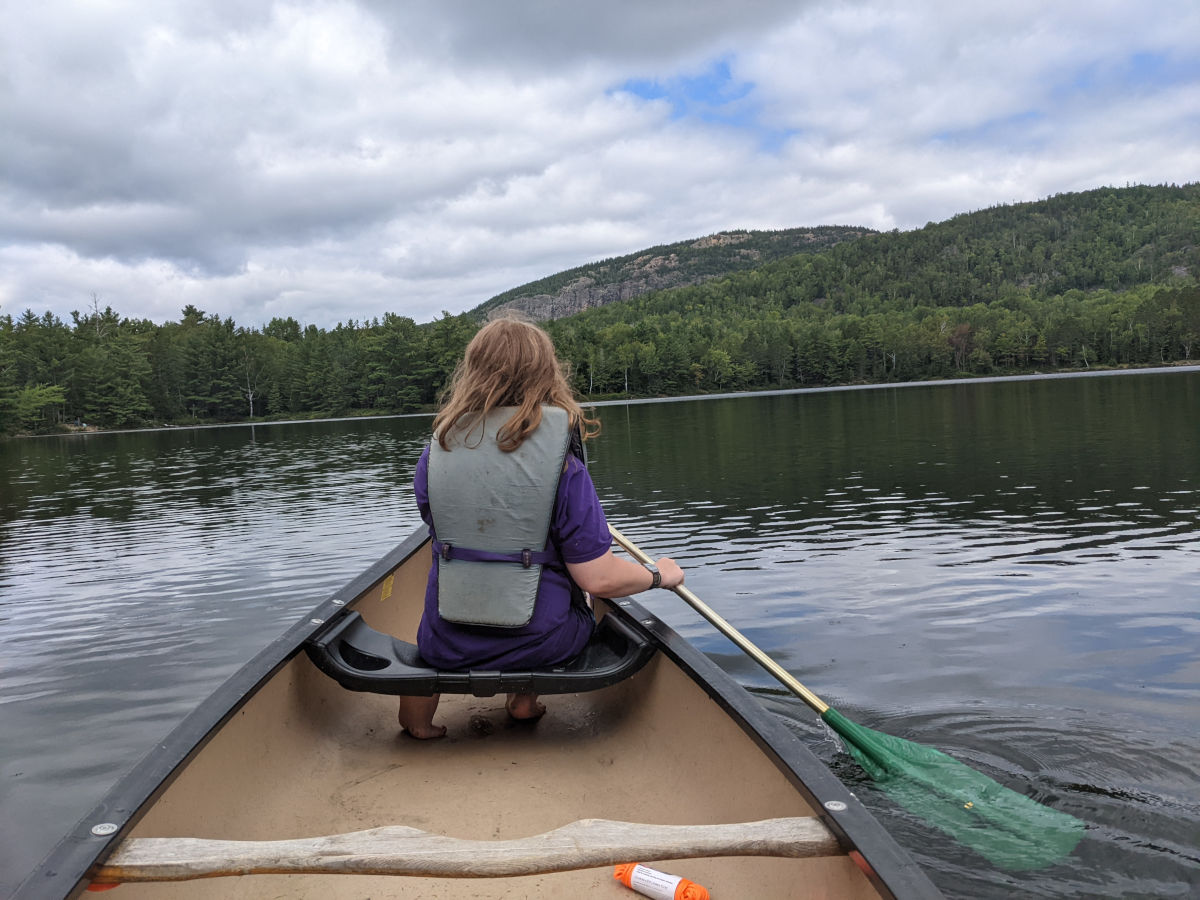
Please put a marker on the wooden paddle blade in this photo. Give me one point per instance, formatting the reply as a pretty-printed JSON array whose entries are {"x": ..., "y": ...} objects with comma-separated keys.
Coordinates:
[
  {"x": 399, "y": 850},
  {"x": 1012, "y": 831}
]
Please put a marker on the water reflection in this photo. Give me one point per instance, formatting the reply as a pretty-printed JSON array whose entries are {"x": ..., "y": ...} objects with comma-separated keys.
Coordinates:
[
  {"x": 1003, "y": 571},
  {"x": 137, "y": 571}
]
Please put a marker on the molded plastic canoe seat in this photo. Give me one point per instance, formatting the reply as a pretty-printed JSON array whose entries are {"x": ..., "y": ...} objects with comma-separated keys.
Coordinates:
[{"x": 363, "y": 659}]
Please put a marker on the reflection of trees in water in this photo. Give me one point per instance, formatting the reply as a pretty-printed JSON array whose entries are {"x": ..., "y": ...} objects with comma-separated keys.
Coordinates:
[
  {"x": 1058, "y": 444},
  {"x": 127, "y": 476},
  {"x": 1077, "y": 447}
]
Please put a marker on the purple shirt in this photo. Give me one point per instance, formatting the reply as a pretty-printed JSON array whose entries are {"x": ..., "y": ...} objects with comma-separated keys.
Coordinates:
[{"x": 558, "y": 629}]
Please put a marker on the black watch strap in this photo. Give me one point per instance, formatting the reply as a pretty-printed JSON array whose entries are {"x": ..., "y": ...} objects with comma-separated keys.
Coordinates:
[{"x": 655, "y": 576}]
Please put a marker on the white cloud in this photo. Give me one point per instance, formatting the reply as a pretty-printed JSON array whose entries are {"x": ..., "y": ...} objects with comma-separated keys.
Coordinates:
[{"x": 336, "y": 160}]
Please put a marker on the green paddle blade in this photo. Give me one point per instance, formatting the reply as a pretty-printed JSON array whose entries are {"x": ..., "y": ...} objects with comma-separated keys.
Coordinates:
[{"x": 1009, "y": 829}]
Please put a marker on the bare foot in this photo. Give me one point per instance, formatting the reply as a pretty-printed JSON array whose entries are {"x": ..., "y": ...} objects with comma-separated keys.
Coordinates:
[
  {"x": 425, "y": 733},
  {"x": 416, "y": 717},
  {"x": 524, "y": 707}
]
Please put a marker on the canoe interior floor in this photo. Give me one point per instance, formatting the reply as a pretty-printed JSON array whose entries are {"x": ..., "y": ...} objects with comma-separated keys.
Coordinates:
[{"x": 304, "y": 757}]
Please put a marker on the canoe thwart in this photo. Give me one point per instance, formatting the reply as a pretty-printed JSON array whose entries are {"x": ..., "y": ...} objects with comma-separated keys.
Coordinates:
[
  {"x": 363, "y": 659},
  {"x": 400, "y": 850}
]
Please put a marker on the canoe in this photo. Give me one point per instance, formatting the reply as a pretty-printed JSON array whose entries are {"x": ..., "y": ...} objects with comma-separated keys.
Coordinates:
[{"x": 295, "y": 770}]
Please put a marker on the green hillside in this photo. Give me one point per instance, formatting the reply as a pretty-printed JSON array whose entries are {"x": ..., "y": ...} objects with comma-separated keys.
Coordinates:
[
  {"x": 1105, "y": 277},
  {"x": 663, "y": 267}
]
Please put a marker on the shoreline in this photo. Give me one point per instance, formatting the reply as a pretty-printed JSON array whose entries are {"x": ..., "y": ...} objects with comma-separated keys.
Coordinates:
[
  {"x": 932, "y": 382},
  {"x": 769, "y": 392}
]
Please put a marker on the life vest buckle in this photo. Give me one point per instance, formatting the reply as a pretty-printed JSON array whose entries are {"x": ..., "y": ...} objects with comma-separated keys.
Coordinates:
[
  {"x": 446, "y": 548},
  {"x": 526, "y": 558}
]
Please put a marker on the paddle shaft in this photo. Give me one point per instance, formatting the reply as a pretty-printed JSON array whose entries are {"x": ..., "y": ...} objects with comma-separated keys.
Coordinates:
[{"x": 744, "y": 644}]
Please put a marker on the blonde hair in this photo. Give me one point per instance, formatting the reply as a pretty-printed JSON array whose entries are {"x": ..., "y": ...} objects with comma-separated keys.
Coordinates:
[{"x": 509, "y": 362}]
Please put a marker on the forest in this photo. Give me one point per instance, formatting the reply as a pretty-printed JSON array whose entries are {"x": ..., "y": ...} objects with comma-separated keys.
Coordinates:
[{"x": 1095, "y": 279}]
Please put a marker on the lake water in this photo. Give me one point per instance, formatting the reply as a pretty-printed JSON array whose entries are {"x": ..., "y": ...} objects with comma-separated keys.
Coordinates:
[{"x": 1005, "y": 571}]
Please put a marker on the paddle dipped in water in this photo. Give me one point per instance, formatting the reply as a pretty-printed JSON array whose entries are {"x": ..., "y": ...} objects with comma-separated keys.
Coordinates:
[{"x": 1010, "y": 830}]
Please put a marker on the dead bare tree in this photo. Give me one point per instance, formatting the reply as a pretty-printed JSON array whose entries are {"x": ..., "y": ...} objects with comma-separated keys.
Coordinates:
[{"x": 254, "y": 370}]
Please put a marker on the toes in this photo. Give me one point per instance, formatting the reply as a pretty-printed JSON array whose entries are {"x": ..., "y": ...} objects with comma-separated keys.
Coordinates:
[
  {"x": 425, "y": 734},
  {"x": 525, "y": 711}
]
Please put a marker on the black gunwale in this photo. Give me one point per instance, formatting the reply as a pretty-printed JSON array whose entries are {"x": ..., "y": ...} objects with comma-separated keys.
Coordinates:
[{"x": 64, "y": 871}]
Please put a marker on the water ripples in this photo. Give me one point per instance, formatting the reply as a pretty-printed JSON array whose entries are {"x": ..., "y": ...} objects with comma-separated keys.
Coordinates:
[
  {"x": 1038, "y": 629},
  {"x": 1021, "y": 605},
  {"x": 136, "y": 575}
]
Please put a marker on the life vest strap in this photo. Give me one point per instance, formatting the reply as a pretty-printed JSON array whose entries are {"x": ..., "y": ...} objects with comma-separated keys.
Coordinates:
[{"x": 526, "y": 558}]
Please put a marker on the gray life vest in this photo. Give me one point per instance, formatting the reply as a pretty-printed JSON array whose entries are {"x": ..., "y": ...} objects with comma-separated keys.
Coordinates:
[{"x": 491, "y": 514}]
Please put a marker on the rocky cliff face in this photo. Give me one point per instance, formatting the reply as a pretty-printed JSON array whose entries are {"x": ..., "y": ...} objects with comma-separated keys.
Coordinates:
[
  {"x": 645, "y": 274},
  {"x": 677, "y": 265}
]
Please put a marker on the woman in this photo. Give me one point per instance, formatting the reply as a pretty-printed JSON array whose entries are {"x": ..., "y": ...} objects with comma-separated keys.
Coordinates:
[{"x": 518, "y": 530}]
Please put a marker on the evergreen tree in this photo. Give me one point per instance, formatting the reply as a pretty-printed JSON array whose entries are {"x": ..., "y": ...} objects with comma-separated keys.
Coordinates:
[{"x": 8, "y": 376}]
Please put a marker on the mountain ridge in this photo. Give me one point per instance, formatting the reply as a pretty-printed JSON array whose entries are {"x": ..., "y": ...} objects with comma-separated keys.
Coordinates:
[{"x": 663, "y": 267}]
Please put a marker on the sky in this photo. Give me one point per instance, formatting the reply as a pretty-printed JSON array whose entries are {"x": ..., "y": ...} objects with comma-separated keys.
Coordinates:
[{"x": 336, "y": 161}]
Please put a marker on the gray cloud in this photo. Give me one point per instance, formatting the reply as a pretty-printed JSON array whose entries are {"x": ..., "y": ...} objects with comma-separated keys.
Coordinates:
[
  {"x": 536, "y": 35},
  {"x": 335, "y": 160}
]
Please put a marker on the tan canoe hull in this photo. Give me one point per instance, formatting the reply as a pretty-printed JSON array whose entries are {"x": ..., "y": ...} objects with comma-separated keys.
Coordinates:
[{"x": 302, "y": 757}]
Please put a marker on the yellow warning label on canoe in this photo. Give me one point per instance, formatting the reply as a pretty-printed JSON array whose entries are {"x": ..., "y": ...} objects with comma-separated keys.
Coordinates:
[{"x": 387, "y": 588}]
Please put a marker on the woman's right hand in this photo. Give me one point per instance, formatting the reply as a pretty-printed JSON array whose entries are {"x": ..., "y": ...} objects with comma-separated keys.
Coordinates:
[
  {"x": 672, "y": 575},
  {"x": 613, "y": 576}
]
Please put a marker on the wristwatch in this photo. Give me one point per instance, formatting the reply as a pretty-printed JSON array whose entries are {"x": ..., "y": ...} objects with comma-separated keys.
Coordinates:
[{"x": 655, "y": 576}]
